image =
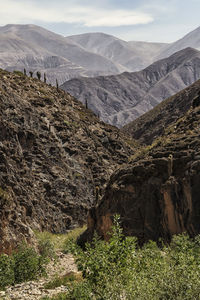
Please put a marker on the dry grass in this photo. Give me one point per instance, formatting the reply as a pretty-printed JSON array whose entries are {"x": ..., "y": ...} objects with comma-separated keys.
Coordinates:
[{"x": 59, "y": 240}]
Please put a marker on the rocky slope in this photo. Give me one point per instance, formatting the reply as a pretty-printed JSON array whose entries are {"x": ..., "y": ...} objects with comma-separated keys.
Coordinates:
[
  {"x": 157, "y": 193},
  {"x": 122, "y": 98},
  {"x": 152, "y": 125},
  {"x": 129, "y": 56},
  {"x": 37, "y": 49},
  {"x": 55, "y": 157}
]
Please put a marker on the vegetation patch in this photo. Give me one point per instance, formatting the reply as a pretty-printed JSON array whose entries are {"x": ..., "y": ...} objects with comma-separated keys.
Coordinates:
[
  {"x": 23, "y": 265},
  {"x": 63, "y": 280},
  {"x": 118, "y": 269},
  {"x": 7, "y": 275},
  {"x": 48, "y": 240},
  {"x": 60, "y": 296}
]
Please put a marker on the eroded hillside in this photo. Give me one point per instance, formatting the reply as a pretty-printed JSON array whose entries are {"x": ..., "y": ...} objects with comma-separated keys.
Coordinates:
[{"x": 55, "y": 158}]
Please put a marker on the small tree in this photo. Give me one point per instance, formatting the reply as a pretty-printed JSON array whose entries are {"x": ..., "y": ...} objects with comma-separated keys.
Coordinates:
[
  {"x": 38, "y": 74},
  {"x": 24, "y": 71},
  {"x": 86, "y": 103},
  {"x": 31, "y": 74},
  {"x": 45, "y": 78}
]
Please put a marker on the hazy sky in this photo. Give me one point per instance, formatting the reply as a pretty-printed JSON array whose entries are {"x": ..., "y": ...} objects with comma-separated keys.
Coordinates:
[{"x": 148, "y": 20}]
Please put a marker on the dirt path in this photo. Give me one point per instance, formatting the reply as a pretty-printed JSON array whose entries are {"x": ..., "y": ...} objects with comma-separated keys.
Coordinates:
[{"x": 34, "y": 290}]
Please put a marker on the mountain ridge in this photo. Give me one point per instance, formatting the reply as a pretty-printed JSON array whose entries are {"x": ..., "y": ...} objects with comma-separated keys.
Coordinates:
[
  {"x": 191, "y": 39},
  {"x": 130, "y": 56},
  {"x": 119, "y": 99}
]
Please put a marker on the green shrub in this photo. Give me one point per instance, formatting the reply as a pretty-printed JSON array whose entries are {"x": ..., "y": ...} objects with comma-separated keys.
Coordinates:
[
  {"x": 28, "y": 265},
  {"x": 106, "y": 266},
  {"x": 120, "y": 270},
  {"x": 7, "y": 276},
  {"x": 81, "y": 291}
]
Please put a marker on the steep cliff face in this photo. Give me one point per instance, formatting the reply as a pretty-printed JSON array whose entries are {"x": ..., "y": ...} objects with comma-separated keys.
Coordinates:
[
  {"x": 157, "y": 194},
  {"x": 55, "y": 157}
]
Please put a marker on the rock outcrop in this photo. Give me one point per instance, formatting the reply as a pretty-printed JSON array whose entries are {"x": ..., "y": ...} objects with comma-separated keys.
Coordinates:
[
  {"x": 157, "y": 194},
  {"x": 55, "y": 158}
]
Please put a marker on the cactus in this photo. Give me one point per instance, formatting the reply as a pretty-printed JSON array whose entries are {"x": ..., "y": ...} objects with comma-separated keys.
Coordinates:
[
  {"x": 57, "y": 86},
  {"x": 38, "y": 74}
]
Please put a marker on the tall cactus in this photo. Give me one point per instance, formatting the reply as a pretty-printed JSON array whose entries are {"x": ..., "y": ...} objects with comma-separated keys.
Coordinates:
[
  {"x": 38, "y": 74},
  {"x": 57, "y": 86}
]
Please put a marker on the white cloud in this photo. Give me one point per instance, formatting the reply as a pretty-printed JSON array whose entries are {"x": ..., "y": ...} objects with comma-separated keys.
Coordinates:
[
  {"x": 118, "y": 18},
  {"x": 21, "y": 11}
]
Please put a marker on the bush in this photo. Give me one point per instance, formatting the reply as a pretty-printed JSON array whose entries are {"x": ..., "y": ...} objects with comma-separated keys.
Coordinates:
[
  {"x": 23, "y": 265},
  {"x": 7, "y": 276},
  {"x": 120, "y": 270},
  {"x": 106, "y": 266},
  {"x": 28, "y": 265}
]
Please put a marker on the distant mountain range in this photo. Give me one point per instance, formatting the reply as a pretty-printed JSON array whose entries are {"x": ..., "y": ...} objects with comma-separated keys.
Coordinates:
[
  {"x": 114, "y": 91},
  {"x": 119, "y": 99},
  {"x": 88, "y": 55},
  {"x": 37, "y": 49},
  {"x": 128, "y": 56}
]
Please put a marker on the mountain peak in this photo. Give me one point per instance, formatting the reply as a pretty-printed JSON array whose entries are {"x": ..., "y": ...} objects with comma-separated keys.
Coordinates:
[{"x": 192, "y": 39}]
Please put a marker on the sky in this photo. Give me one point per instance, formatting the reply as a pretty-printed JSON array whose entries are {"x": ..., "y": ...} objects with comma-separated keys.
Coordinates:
[{"x": 139, "y": 20}]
